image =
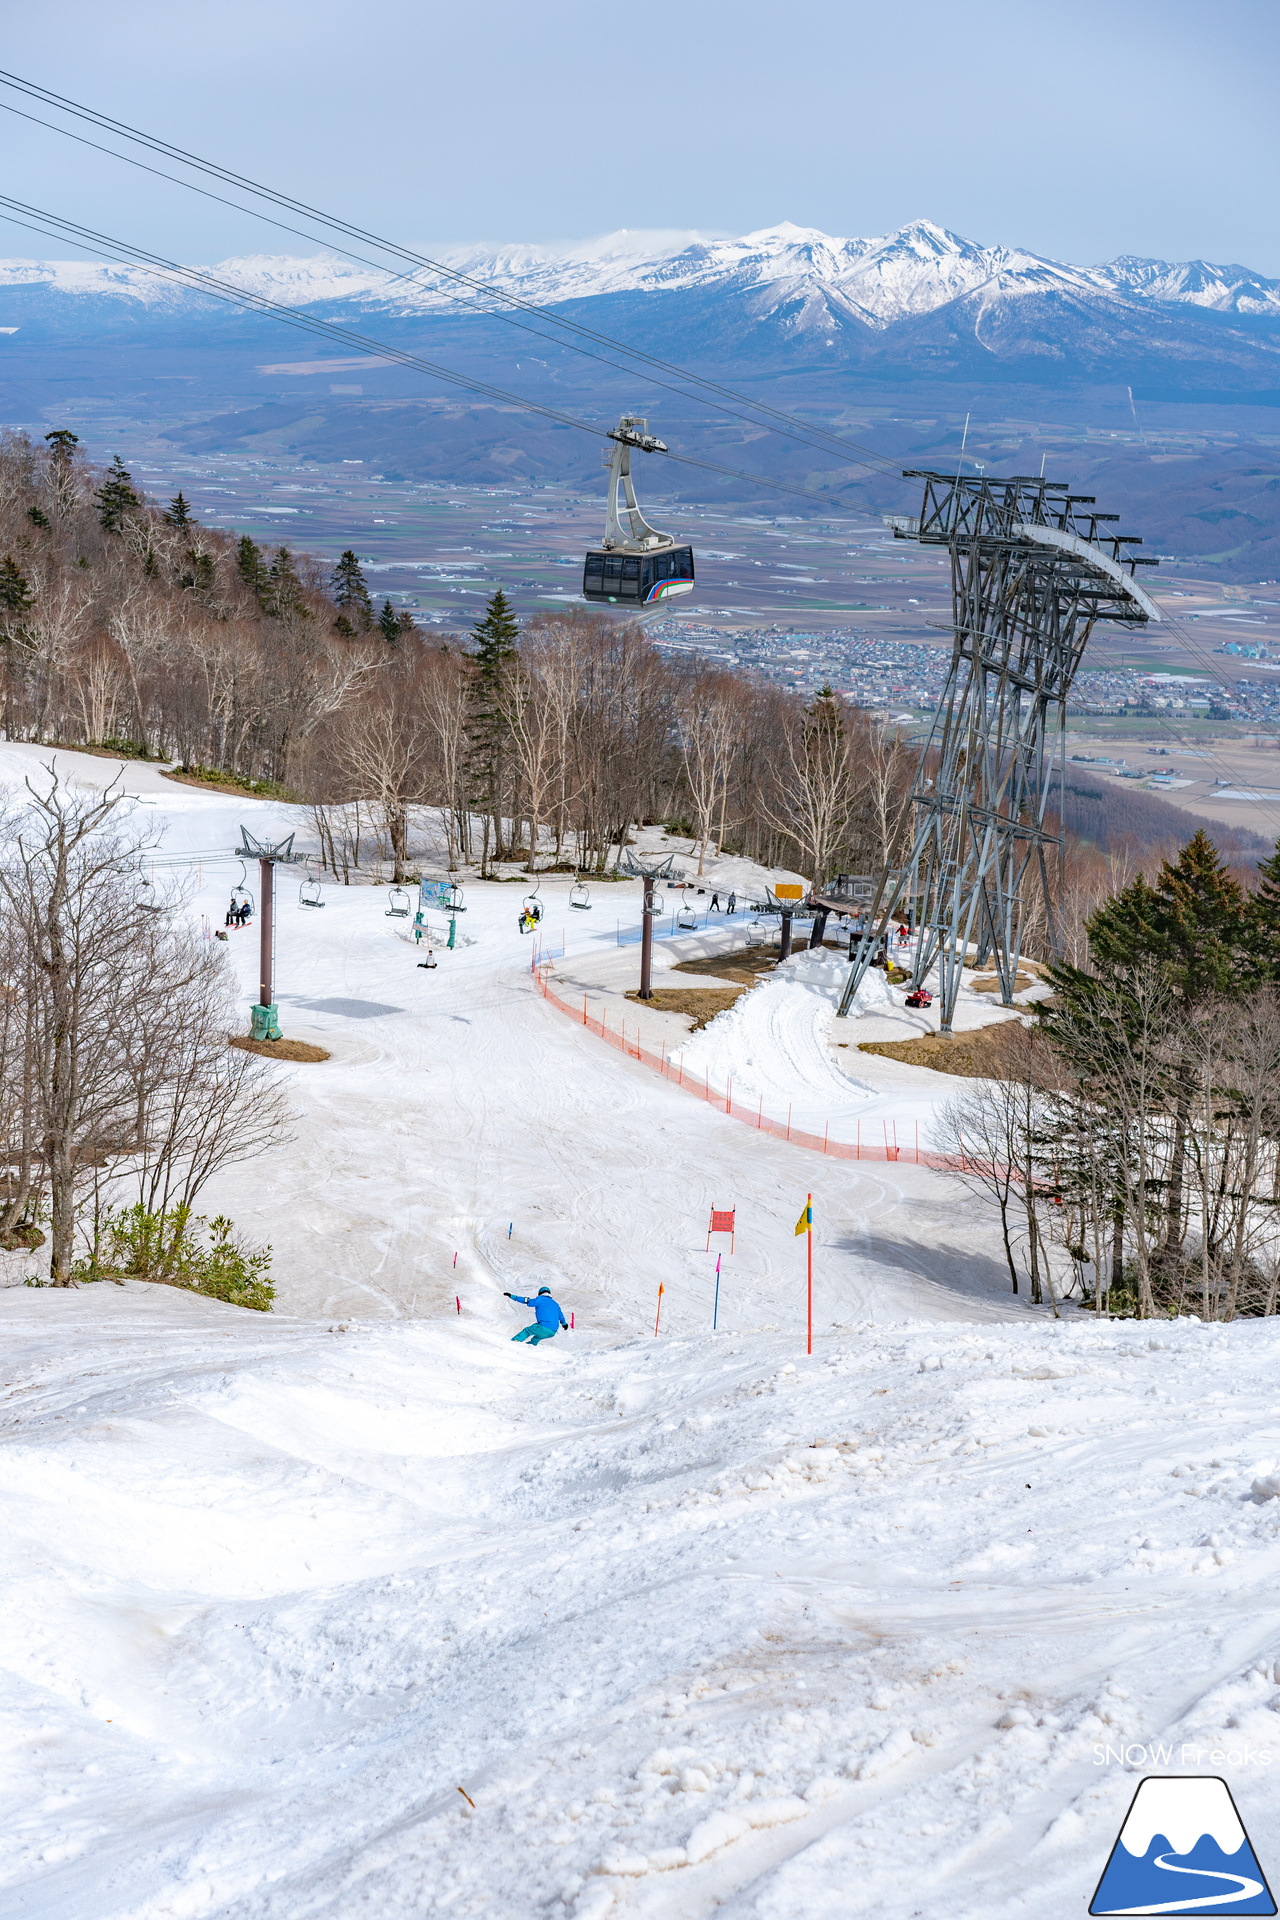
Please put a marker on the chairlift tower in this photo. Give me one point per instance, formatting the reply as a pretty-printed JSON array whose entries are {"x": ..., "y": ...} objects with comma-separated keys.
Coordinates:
[
  {"x": 264, "y": 1018},
  {"x": 1033, "y": 566}
]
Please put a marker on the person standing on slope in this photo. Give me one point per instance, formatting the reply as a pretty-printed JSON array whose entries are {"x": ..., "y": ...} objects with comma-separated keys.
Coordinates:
[{"x": 548, "y": 1321}]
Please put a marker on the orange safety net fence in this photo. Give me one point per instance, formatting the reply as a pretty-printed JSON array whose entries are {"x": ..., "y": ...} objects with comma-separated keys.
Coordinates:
[{"x": 888, "y": 1147}]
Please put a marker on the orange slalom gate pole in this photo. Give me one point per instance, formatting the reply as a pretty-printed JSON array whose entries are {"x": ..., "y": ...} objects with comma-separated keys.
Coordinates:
[
  {"x": 658, "y": 1315},
  {"x": 809, "y": 1282}
]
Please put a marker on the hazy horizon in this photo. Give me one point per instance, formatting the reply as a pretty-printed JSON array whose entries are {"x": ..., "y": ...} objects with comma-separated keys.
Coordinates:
[
  {"x": 1145, "y": 129},
  {"x": 644, "y": 241}
]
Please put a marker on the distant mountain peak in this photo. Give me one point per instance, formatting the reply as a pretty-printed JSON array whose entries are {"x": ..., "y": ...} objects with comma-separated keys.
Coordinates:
[{"x": 809, "y": 283}]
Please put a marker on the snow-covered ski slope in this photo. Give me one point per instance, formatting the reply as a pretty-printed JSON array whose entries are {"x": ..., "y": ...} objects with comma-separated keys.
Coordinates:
[{"x": 700, "y": 1625}]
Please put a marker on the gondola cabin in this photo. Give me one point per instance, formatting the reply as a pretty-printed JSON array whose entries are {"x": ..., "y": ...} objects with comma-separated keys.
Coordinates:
[
  {"x": 637, "y": 579},
  {"x": 637, "y": 564}
]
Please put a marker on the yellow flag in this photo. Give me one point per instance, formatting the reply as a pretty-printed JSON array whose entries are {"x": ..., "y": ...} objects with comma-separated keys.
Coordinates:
[{"x": 805, "y": 1223}]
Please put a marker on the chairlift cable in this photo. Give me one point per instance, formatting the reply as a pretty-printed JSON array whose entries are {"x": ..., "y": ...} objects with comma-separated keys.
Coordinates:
[{"x": 788, "y": 424}]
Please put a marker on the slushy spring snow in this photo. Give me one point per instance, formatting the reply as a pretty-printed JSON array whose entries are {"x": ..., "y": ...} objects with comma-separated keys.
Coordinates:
[{"x": 357, "y": 1607}]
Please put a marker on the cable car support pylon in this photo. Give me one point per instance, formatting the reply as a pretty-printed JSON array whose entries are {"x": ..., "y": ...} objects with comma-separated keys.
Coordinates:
[{"x": 1032, "y": 569}]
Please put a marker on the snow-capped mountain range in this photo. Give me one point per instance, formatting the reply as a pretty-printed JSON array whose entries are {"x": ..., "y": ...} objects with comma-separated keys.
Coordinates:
[{"x": 876, "y": 282}]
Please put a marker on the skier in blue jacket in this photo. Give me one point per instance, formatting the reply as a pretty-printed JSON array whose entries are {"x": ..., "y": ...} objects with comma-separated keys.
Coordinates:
[{"x": 549, "y": 1319}]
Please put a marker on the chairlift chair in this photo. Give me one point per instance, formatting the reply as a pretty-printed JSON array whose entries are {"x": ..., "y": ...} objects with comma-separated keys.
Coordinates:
[
  {"x": 580, "y": 897},
  {"x": 240, "y": 894},
  {"x": 530, "y": 912},
  {"x": 309, "y": 893},
  {"x": 397, "y": 904},
  {"x": 687, "y": 917},
  {"x": 456, "y": 899}
]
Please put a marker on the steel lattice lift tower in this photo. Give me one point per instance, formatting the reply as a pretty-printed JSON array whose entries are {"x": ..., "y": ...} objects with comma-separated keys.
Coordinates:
[{"x": 1032, "y": 569}]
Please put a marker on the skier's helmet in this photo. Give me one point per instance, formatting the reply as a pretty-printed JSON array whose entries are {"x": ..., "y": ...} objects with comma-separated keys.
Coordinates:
[{"x": 544, "y": 1289}]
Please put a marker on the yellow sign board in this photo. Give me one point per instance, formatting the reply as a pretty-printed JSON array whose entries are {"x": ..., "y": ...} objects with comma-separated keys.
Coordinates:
[{"x": 789, "y": 893}]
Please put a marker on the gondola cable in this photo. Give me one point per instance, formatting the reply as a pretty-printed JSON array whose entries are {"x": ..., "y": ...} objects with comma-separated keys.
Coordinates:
[
  {"x": 787, "y": 424},
  {"x": 88, "y": 238},
  {"x": 228, "y": 293}
]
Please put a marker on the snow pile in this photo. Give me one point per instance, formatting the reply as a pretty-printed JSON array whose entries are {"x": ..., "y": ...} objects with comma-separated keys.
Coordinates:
[
  {"x": 775, "y": 1043},
  {"x": 407, "y": 1619}
]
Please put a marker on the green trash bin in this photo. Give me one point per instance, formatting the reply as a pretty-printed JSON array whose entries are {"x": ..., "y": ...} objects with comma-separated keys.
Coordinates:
[{"x": 264, "y": 1023}]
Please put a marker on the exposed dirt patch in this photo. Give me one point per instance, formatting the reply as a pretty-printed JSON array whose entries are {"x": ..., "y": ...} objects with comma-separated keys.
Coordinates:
[
  {"x": 990, "y": 982},
  {"x": 234, "y": 787},
  {"x": 983, "y": 1054},
  {"x": 280, "y": 1049},
  {"x": 29, "y": 1237},
  {"x": 131, "y": 758},
  {"x": 746, "y": 965},
  {"x": 702, "y": 1003}
]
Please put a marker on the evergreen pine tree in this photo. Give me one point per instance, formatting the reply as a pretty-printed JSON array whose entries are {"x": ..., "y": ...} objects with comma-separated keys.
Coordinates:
[
  {"x": 1193, "y": 921},
  {"x": 199, "y": 573},
  {"x": 15, "y": 589},
  {"x": 1262, "y": 919},
  {"x": 116, "y": 498},
  {"x": 37, "y": 518},
  {"x": 389, "y": 623},
  {"x": 286, "y": 588},
  {"x": 1195, "y": 924},
  {"x": 61, "y": 475},
  {"x": 252, "y": 569},
  {"x": 351, "y": 594},
  {"x": 495, "y": 639},
  {"x": 179, "y": 514}
]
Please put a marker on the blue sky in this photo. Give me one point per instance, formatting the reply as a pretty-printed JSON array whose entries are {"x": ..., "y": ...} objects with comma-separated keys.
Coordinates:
[{"x": 1130, "y": 126}]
